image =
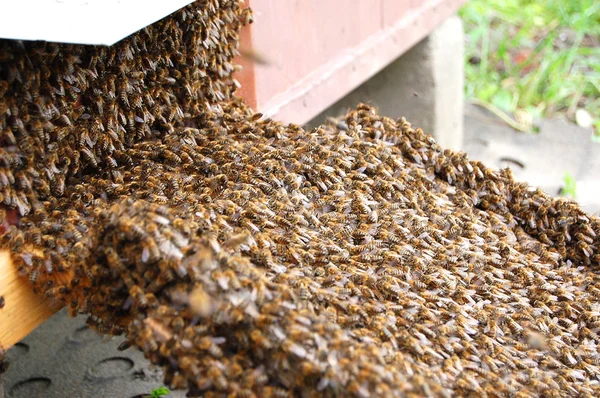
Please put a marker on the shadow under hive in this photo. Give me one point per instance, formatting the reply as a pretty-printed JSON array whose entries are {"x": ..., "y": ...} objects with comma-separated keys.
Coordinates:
[{"x": 251, "y": 258}]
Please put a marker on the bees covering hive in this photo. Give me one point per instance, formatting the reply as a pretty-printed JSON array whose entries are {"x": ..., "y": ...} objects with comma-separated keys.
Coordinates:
[{"x": 251, "y": 258}]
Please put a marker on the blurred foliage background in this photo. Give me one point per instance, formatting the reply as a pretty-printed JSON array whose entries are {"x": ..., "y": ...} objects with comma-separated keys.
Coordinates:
[{"x": 534, "y": 59}]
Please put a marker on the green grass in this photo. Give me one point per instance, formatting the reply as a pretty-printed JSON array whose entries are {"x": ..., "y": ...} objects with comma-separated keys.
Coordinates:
[
  {"x": 569, "y": 186},
  {"x": 538, "y": 58},
  {"x": 159, "y": 392}
]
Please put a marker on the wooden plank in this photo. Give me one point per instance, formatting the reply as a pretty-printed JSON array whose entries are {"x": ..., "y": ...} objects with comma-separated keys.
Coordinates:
[{"x": 23, "y": 309}]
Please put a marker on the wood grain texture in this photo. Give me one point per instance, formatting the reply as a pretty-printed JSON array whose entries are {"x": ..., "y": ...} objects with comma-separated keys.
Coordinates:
[{"x": 23, "y": 309}]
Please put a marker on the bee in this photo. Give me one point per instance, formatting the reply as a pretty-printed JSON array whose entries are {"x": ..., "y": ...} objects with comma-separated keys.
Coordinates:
[
  {"x": 102, "y": 327},
  {"x": 125, "y": 345},
  {"x": 33, "y": 276},
  {"x": 237, "y": 240},
  {"x": 114, "y": 260},
  {"x": 89, "y": 155},
  {"x": 200, "y": 302},
  {"x": 330, "y": 247},
  {"x": 217, "y": 377},
  {"x": 260, "y": 339},
  {"x": 177, "y": 381},
  {"x": 138, "y": 296},
  {"x": 214, "y": 350}
]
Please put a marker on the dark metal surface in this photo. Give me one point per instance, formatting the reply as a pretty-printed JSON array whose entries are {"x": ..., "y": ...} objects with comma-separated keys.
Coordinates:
[{"x": 64, "y": 358}]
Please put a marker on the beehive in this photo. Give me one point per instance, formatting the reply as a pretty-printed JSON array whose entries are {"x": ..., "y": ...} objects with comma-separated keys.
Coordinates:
[{"x": 251, "y": 258}]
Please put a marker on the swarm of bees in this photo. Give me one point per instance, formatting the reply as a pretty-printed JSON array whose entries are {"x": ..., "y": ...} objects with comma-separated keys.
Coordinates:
[{"x": 254, "y": 259}]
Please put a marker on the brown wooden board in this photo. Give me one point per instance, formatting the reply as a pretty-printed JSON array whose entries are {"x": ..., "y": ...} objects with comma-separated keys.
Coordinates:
[{"x": 23, "y": 310}]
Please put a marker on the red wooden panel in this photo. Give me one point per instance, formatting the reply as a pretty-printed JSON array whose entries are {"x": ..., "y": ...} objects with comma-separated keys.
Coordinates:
[
  {"x": 320, "y": 50},
  {"x": 300, "y": 36}
]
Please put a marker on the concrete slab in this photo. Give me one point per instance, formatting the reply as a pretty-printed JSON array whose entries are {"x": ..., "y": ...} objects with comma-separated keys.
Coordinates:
[{"x": 540, "y": 159}]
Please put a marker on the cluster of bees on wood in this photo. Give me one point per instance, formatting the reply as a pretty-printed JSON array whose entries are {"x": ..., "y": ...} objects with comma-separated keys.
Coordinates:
[{"x": 249, "y": 258}]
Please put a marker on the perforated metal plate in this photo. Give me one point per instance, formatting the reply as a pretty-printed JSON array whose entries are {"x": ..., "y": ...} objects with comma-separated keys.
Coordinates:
[{"x": 65, "y": 358}]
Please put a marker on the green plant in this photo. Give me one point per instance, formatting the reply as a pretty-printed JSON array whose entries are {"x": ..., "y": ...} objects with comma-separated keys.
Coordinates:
[
  {"x": 539, "y": 57},
  {"x": 159, "y": 392},
  {"x": 596, "y": 133},
  {"x": 569, "y": 186}
]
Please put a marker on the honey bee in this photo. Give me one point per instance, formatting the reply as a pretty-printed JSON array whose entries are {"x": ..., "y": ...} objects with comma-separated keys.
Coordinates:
[
  {"x": 217, "y": 378},
  {"x": 200, "y": 302},
  {"x": 138, "y": 296},
  {"x": 279, "y": 253},
  {"x": 89, "y": 155},
  {"x": 260, "y": 339}
]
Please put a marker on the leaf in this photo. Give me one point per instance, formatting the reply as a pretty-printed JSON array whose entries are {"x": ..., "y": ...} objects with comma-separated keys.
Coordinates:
[
  {"x": 503, "y": 99},
  {"x": 508, "y": 82},
  {"x": 488, "y": 91},
  {"x": 538, "y": 21},
  {"x": 569, "y": 185},
  {"x": 536, "y": 112},
  {"x": 159, "y": 392},
  {"x": 596, "y": 133},
  {"x": 525, "y": 120}
]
